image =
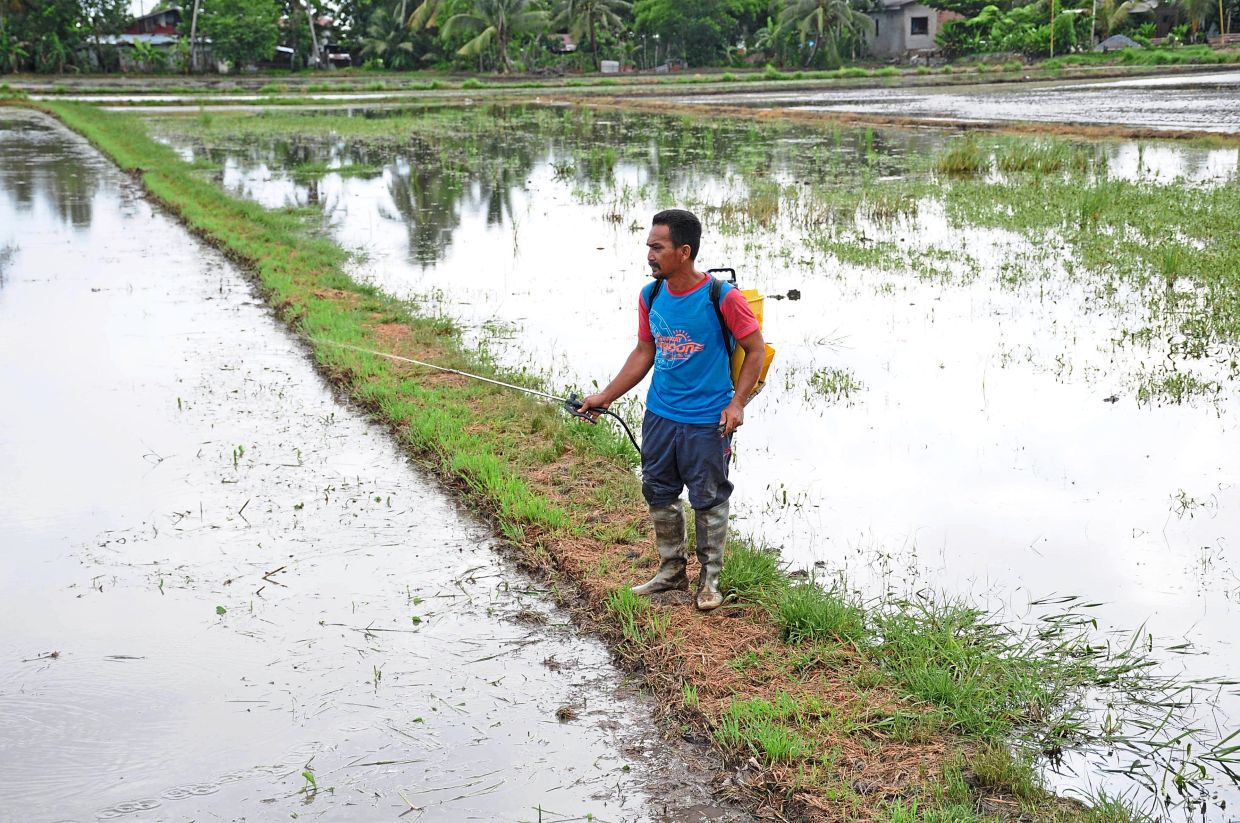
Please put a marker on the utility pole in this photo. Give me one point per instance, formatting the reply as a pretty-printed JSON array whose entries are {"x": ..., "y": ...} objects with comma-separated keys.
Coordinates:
[
  {"x": 315, "y": 57},
  {"x": 1052, "y": 28},
  {"x": 193, "y": 38}
]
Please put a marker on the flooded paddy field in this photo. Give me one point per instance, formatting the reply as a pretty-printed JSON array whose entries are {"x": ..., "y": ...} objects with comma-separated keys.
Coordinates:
[
  {"x": 1197, "y": 102},
  {"x": 225, "y": 594},
  {"x": 1008, "y": 371}
]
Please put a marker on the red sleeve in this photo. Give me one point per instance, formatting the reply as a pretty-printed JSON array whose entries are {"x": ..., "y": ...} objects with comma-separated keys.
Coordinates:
[
  {"x": 739, "y": 317},
  {"x": 643, "y": 321}
]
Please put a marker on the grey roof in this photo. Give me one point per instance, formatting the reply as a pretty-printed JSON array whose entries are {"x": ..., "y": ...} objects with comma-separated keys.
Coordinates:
[{"x": 1116, "y": 42}]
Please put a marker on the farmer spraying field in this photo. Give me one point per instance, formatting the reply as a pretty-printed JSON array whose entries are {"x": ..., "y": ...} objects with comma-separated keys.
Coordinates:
[{"x": 688, "y": 323}]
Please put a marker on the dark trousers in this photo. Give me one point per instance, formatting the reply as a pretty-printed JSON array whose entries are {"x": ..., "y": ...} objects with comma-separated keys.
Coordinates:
[{"x": 676, "y": 455}]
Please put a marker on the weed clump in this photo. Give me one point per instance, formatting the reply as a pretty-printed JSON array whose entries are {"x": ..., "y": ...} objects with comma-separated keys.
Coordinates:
[
  {"x": 806, "y": 611},
  {"x": 751, "y": 574},
  {"x": 963, "y": 156}
]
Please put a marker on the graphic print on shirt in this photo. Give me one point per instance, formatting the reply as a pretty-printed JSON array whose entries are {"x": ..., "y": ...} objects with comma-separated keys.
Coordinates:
[{"x": 672, "y": 347}]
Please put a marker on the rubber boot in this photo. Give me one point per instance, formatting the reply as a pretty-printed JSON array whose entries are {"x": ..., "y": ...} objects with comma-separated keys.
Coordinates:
[
  {"x": 712, "y": 536},
  {"x": 669, "y": 538}
]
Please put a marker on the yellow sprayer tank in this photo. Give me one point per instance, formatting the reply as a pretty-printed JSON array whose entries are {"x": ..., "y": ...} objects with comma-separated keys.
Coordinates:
[{"x": 755, "y": 301}]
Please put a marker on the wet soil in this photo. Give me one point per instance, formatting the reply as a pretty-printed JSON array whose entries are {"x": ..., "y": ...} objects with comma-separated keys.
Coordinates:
[
  {"x": 228, "y": 596},
  {"x": 1195, "y": 102}
]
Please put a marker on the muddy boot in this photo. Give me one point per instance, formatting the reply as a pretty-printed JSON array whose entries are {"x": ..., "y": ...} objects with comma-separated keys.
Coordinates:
[
  {"x": 669, "y": 537},
  {"x": 712, "y": 536}
]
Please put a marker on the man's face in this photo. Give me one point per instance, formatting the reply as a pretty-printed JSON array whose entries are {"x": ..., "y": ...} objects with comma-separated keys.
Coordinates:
[{"x": 661, "y": 254}]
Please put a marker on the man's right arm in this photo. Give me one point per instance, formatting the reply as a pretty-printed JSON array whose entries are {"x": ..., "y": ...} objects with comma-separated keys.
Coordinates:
[{"x": 635, "y": 368}]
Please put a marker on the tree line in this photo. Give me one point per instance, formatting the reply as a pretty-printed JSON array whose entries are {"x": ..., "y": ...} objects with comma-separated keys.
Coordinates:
[
  {"x": 1046, "y": 27},
  {"x": 535, "y": 35}
]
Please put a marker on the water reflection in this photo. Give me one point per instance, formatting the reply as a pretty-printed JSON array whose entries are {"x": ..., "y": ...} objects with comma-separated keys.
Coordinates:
[
  {"x": 425, "y": 201},
  {"x": 33, "y": 173}
]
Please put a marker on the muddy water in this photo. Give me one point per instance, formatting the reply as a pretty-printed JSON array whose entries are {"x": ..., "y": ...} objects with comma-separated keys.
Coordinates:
[
  {"x": 1205, "y": 102},
  {"x": 994, "y": 447},
  {"x": 215, "y": 578}
]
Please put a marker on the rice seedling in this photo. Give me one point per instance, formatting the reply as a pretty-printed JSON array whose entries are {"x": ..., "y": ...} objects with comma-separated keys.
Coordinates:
[
  {"x": 963, "y": 156},
  {"x": 834, "y": 384}
]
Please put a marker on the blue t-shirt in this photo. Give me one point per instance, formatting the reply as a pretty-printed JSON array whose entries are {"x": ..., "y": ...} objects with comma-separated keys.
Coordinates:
[{"x": 692, "y": 380}]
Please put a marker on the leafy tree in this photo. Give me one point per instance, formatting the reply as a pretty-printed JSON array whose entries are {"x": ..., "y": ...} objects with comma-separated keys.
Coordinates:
[
  {"x": 13, "y": 52},
  {"x": 496, "y": 22},
  {"x": 148, "y": 57},
  {"x": 102, "y": 17},
  {"x": 701, "y": 30},
  {"x": 45, "y": 33},
  {"x": 586, "y": 18},
  {"x": 969, "y": 8},
  {"x": 352, "y": 17},
  {"x": 821, "y": 23},
  {"x": 241, "y": 31}
]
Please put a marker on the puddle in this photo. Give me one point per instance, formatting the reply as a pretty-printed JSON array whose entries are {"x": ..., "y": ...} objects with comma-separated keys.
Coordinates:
[
  {"x": 218, "y": 582},
  {"x": 992, "y": 444}
]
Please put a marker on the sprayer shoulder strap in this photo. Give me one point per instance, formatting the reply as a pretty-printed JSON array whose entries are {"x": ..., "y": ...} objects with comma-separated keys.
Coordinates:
[{"x": 716, "y": 295}]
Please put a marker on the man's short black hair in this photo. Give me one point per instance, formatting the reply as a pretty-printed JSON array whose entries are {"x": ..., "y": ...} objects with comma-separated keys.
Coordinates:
[{"x": 683, "y": 226}]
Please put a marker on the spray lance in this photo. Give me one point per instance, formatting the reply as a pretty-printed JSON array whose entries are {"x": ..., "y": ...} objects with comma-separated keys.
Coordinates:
[{"x": 571, "y": 404}]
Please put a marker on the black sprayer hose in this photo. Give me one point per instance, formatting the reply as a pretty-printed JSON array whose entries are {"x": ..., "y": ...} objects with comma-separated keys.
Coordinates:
[{"x": 572, "y": 405}]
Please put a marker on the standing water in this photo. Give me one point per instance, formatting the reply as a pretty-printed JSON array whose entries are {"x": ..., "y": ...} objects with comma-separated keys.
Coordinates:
[
  {"x": 228, "y": 596},
  {"x": 965, "y": 398}
]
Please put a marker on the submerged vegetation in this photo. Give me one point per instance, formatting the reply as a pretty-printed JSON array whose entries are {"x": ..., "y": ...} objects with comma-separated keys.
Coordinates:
[
  {"x": 900, "y": 709},
  {"x": 1154, "y": 254}
]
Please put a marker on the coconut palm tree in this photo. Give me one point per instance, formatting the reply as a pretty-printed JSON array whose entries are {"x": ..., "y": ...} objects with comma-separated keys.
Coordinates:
[
  {"x": 496, "y": 21},
  {"x": 388, "y": 38},
  {"x": 822, "y": 21},
  {"x": 585, "y": 18},
  {"x": 425, "y": 15},
  {"x": 1111, "y": 15}
]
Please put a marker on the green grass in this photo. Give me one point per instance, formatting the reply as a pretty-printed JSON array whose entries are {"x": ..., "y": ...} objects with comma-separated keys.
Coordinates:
[
  {"x": 769, "y": 730},
  {"x": 1165, "y": 56},
  {"x": 640, "y": 624},
  {"x": 751, "y": 574},
  {"x": 320, "y": 169},
  {"x": 806, "y": 611}
]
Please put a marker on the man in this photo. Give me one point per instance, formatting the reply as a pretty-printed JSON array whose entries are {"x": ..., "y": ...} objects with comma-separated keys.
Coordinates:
[{"x": 692, "y": 408}]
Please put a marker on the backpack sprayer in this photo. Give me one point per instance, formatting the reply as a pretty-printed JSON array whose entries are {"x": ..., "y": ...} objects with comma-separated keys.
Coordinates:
[
  {"x": 737, "y": 354},
  {"x": 572, "y": 403}
]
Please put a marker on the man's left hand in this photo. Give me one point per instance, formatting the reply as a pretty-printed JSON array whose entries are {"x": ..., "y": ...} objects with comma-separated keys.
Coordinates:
[{"x": 733, "y": 418}]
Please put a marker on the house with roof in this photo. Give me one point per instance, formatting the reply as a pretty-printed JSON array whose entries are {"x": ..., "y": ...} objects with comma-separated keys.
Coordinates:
[
  {"x": 903, "y": 28},
  {"x": 163, "y": 22}
]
